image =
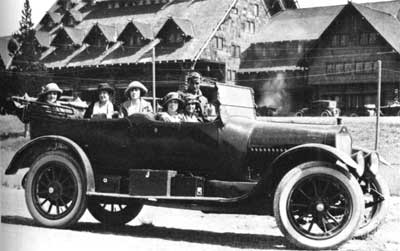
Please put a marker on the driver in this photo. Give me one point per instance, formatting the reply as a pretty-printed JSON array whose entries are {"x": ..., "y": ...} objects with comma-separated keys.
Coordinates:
[{"x": 191, "y": 109}]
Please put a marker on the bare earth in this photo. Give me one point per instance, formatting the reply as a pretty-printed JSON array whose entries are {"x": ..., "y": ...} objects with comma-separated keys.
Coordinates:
[{"x": 166, "y": 229}]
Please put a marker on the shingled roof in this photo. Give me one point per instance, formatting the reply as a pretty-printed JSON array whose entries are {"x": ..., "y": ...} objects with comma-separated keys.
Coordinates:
[
  {"x": 197, "y": 19},
  {"x": 298, "y": 24},
  {"x": 386, "y": 24}
]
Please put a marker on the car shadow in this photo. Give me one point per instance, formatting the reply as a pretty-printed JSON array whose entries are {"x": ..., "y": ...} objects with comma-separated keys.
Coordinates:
[{"x": 236, "y": 240}]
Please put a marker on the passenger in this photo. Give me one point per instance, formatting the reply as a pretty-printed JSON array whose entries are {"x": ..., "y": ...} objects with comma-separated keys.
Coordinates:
[
  {"x": 135, "y": 103},
  {"x": 172, "y": 104},
  {"x": 194, "y": 82},
  {"x": 192, "y": 106},
  {"x": 50, "y": 94},
  {"x": 103, "y": 107}
]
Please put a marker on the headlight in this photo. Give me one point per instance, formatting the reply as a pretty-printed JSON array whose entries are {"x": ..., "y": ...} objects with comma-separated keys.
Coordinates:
[{"x": 343, "y": 141}]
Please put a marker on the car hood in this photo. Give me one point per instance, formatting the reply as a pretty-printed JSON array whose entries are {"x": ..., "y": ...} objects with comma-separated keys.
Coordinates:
[{"x": 286, "y": 135}]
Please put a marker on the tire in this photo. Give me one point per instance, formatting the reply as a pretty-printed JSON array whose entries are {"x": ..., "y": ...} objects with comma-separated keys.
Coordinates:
[
  {"x": 310, "y": 215},
  {"x": 325, "y": 114},
  {"x": 113, "y": 214},
  {"x": 353, "y": 114},
  {"x": 376, "y": 196},
  {"x": 55, "y": 191},
  {"x": 299, "y": 114}
]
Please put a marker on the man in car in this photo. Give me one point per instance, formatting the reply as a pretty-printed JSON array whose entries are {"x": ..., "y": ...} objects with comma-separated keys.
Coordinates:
[{"x": 193, "y": 88}]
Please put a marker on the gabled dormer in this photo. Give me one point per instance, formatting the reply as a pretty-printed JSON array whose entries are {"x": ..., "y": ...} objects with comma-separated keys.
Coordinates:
[
  {"x": 136, "y": 34},
  {"x": 68, "y": 38},
  {"x": 72, "y": 18},
  {"x": 274, "y": 6},
  {"x": 65, "y": 5},
  {"x": 176, "y": 31},
  {"x": 50, "y": 20},
  {"x": 101, "y": 35}
]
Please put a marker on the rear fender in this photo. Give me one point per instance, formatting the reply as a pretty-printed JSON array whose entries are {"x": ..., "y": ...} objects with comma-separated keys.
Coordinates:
[
  {"x": 25, "y": 156},
  {"x": 305, "y": 153}
]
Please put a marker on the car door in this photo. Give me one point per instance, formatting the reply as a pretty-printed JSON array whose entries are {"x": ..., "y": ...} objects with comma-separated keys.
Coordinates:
[{"x": 154, "y": 144}]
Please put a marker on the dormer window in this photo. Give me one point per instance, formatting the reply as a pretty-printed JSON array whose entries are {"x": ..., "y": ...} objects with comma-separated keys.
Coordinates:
[
  {"x": 70, "y": 21},
  {"x": 116, "y": 5},
  {"x": 156, "y": 1},
  {"x": 126, "y": 4},
  {"x": 109, "y": 5},
  {"x": 140, "y": 2},
  {"x": 148, "y": 2}
]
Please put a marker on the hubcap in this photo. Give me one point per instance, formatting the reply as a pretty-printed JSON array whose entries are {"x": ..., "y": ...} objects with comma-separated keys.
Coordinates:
[{"x": 320, "y": 207}]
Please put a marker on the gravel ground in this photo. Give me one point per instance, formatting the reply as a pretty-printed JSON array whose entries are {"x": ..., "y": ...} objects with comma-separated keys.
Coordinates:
[{"x": 167, "y": 229}]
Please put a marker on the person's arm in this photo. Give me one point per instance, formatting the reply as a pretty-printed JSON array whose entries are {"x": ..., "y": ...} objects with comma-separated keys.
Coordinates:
[{"x": 110, "y": 110}]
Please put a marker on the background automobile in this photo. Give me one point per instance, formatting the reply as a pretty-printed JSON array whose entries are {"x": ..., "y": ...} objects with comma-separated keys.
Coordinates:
[
  {"x": 324, "y": 108},
  {"x": 321, "y": 189}
]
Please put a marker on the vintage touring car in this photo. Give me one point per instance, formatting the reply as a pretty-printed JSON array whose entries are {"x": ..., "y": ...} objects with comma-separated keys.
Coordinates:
[{"x": 321, "y": 190}]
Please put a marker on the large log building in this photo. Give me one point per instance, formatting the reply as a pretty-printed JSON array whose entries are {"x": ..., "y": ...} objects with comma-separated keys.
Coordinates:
[
  {"x": 90, "y": 41},
  {"x": 326, "y": 53}
]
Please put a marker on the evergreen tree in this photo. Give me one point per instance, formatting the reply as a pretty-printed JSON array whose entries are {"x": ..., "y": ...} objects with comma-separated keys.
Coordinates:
[{"x": 26, "y": 64}]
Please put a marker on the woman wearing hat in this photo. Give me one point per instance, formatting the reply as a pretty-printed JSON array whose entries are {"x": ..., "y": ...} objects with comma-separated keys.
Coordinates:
[
  {"x": 103, "y": 107},
  {"x": 192, "y": 105},
  {"x": 135, "y": 103},
  {"x": 50, "y": 94},
  {"x": 172, "y": 104}
]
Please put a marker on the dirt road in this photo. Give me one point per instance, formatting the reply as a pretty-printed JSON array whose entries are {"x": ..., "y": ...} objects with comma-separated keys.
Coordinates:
[{"x": 166, "y": 229}]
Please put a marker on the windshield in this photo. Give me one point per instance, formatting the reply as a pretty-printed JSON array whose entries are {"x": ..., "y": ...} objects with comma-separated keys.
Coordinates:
[{"x": 236, "y": 100}]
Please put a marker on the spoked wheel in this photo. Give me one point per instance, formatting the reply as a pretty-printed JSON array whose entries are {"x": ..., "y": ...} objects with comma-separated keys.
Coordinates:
[
  {"x": 376, "y": 196},
  {"x": 317, "y": 206},
  {"x": 325, "y": 114},
  {"x": 113, "y": 213},
  {"x": 55, "y": 190}
]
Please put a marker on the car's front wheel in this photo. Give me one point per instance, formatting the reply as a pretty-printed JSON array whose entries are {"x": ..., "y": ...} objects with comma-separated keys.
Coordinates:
[
  {"x": 317, "y": 206},
  {"x": 113, "y": 213},
  {"x": 55, "y": 191},
  {"x": 376, "y": 196}
]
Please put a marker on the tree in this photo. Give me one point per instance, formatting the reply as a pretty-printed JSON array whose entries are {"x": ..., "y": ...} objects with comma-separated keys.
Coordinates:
[{"x": 26, "y": 62}]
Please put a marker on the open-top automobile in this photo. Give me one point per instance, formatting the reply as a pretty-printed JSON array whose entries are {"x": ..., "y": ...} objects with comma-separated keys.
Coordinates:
[{"x": 321, "y": 189}]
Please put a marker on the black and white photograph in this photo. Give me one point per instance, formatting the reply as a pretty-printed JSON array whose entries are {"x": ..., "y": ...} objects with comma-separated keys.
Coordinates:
[{"x": 199, "y": 125}]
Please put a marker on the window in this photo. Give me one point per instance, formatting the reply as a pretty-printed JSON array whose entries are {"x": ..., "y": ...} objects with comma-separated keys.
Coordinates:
[
  {"x": 243, "y": 26},
  {"x": 335, "y": 41},
  {"x": 344, "y": 40},
  {"x": 340, "y": 40},
  {"x": 229, "y": 75},
  {"x": 330, "y": 68},
  {"x": 368, "y": 67},
  {"x": 348, "y": 67},
  {"x": 171, "y": 38},
  {"x": 359, "y": 66},
  {"x": 372, "y": 38},
  {"x": 339, "y": 68},
  {"x": 235, "y": 10},
  {"x": 219, "y": 43},
  {"x": 109, "y": 5},
  {"x": 235, "y": 51},
  {"x": 233, "y": 77},
  {"x": 116, "y": 5},
  {"x": 256, "y": 10},
  {"x": 364, "y": 39},
  {"x": 252, "y": 27},
  {"x": 148, "y": 2}
]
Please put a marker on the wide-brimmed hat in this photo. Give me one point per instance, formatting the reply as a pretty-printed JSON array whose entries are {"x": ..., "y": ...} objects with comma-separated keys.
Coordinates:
[
  {"x": 105, "y": 87},
  {"x": 190, "y": 99},
  {"x": 172, "y": 96},
  {"x": 136, "y": 84},
  {"x": 51, "y": 87}
]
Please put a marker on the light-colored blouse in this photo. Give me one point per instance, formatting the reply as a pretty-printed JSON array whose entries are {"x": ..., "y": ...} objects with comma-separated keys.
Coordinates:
[
  {"x": 165, "y": 116},
  {"x": 107, "y": 109},
  {"x": 128, "y": 108}
]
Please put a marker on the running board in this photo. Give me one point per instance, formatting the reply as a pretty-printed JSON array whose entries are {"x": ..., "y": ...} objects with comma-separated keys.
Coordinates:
[{"x": 156, "y": 198}]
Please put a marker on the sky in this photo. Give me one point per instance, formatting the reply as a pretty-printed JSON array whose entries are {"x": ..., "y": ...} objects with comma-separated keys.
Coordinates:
[{"x": 10, "y": 10}]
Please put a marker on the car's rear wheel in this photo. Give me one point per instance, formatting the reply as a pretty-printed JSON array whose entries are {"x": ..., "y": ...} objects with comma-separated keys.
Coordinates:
[
  {"x": 55, "y": 191},
  {"x": 325, "y": 114},
  {"x": 299, "y": 114},
  {"x": 113, "y": 213},
  {"x": 317, "y": 206},
  {"x": 376, "y": 196}
]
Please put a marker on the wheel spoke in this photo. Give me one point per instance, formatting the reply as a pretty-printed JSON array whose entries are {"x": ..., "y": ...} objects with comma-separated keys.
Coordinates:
[
  {"x": 44, "y": 201},
  {"x": 330, "y": 216},
  {"x": 50, "y": 207},
  {"x": 304, "y": 194},
  {"x": 325, "y": 189},
  {"x": 310, "y": 227},
  {"x": 314, "y": 184},
  {"x": 120, "y": 207}
]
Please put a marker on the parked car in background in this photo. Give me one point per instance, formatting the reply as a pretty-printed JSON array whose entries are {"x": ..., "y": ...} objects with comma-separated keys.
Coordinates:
[
  {"x": 365, "y": 110},
  {"x": 324, "y": 108},
  {"x": 265, "y": 111},
  {"x": 321, "y": 189},
  {"x": 392, "y": 109}
]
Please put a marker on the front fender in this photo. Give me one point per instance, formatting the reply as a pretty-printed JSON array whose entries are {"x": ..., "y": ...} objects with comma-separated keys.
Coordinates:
[
  {"x": 27, "y": 154},
  {"x": 324, "y": 151}
]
